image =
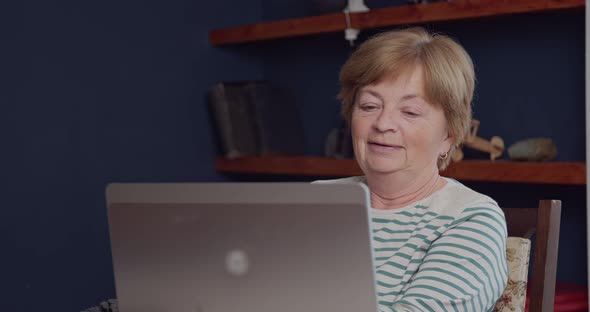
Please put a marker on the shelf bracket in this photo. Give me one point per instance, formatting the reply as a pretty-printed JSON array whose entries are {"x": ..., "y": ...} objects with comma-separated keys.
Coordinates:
[{"x": 353, "y": 6}]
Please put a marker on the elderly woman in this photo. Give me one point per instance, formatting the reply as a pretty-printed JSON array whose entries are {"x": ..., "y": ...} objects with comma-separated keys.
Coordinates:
[{"x": 438, "y": 245}]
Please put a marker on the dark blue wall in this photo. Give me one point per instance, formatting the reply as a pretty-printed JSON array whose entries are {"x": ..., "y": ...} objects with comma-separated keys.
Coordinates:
[{"x": 97, "y": 92}]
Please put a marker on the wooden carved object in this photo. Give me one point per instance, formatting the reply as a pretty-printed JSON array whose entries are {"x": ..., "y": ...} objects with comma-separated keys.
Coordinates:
[{"x": 495, "y": 146}]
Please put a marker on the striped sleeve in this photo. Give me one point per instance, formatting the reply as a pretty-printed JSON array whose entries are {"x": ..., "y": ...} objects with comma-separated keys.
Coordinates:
[{"x": 465, "y": 269}]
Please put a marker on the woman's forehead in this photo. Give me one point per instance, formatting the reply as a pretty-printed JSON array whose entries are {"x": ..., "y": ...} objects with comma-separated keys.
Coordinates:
[{"x": 407, "y": 81}]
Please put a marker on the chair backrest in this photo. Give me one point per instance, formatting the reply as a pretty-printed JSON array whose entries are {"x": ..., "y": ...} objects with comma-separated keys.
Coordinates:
[{"x": 544, "y": 223}]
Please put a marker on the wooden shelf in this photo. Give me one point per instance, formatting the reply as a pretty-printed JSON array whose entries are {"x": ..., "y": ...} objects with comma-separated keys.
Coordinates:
[
  {"x": 572, "y": 173},
  {"x": 392, "y": 16}
]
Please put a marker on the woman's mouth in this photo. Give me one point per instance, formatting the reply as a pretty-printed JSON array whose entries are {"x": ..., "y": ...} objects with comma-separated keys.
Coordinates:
[{"x": 380, "y": 147}]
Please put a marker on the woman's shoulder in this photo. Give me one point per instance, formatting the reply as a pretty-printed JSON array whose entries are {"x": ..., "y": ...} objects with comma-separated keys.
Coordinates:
[
  {"x": 359, "y": 179},
  {"x": 465, "y": 200}
]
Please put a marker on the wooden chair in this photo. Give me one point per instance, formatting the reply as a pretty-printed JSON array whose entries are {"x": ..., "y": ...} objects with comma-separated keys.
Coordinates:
[{"x": 544, "y": 223}]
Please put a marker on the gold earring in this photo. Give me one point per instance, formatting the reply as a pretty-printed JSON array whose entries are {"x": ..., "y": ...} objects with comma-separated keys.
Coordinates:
[{"x": 444, "y": 156}]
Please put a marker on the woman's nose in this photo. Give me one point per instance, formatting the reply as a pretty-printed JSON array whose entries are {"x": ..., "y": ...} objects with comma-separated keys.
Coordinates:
[{"x": 387, "y": 121}]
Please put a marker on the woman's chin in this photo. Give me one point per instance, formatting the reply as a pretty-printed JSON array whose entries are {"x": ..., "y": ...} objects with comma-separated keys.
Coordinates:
[{"x": 381, "y": 166}]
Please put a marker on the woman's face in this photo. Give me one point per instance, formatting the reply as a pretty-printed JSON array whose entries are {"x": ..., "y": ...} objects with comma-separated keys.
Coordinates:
[{"x": 395, "y": 129}]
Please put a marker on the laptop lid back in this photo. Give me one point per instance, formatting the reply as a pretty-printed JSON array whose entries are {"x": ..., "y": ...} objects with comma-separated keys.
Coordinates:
[{"x": 250, "y": 247}]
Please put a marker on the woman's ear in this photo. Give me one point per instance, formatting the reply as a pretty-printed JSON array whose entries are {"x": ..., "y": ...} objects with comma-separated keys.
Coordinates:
[{"x": 448, "y": 142}]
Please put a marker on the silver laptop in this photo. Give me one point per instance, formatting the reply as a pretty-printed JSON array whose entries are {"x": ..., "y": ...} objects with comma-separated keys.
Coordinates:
[{"x": 248, "y": 247}]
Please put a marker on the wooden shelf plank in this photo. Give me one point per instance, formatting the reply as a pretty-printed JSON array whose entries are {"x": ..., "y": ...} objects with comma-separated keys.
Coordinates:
[
  {"x": 392, "y": 16},
  {"x": 456, "y": 10},
  {"x": 278, "y": 29},
  {"x": 572, "y": 173},
  {"x": 310, "y": 166},
  {"x": 527, "y": 172}
]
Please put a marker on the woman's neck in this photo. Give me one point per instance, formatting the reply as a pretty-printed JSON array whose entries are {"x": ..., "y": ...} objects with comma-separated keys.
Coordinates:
[{"x": 393, "y": 191}]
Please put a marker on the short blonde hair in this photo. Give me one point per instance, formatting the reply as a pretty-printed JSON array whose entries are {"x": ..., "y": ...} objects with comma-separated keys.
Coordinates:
[{"x": 449, "y": 77}]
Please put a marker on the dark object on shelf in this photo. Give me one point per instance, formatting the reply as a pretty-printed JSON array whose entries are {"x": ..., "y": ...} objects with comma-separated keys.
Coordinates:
[
  {"x": 534, "y": 149},
  {"x": 233, "y": 113},
  {"x": 255, "y": 118},
  {"x": 276, "y": 118},
  {"x": 339, "y": 143}
]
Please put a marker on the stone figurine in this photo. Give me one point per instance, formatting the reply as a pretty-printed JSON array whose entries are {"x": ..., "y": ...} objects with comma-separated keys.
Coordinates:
[{"x": 533, "y": 149}]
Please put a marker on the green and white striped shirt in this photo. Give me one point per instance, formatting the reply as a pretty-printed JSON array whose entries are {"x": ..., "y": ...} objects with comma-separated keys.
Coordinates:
[{"x": 446, "y": 252}]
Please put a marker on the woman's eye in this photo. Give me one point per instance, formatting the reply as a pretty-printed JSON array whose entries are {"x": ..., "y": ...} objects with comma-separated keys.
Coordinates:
[
  {"x": 411, "y": 114},
  {"x": 369, "y": 107}
]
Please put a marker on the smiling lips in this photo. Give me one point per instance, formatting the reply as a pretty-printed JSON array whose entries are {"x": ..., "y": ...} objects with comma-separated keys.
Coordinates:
[
  {"x": 383, "y": 144},
  {"x": 383, "y": 147}
]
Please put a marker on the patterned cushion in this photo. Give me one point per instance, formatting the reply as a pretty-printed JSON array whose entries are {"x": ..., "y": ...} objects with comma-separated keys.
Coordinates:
[{"x": 514, "y": 297}]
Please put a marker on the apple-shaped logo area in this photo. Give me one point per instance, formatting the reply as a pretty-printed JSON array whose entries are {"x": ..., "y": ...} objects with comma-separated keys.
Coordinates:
[{"x": 236, "y": 262}]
